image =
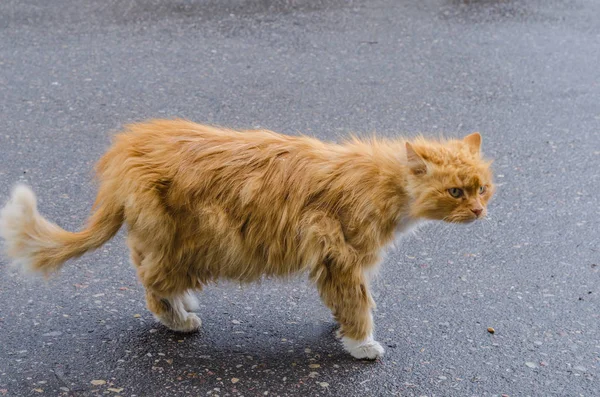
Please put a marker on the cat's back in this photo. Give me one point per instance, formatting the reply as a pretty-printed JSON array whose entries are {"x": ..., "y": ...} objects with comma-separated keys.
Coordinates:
[
  {"x": 185, "y": 139},
  {"x": 200, "y": 156},
  {"x": 153, "y": 135}
]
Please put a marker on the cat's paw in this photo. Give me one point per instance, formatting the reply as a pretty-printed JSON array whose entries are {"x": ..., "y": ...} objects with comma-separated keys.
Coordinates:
[
  {"x": 368, "y": 349},
  {"x": 192, "y": 323}
]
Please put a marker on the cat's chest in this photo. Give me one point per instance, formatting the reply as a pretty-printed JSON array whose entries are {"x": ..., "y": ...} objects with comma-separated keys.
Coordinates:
[{"x": 406, "y": 225}]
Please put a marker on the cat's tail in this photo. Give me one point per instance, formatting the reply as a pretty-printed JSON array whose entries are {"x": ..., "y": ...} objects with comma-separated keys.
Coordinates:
[{"x": 37, "y": 245}]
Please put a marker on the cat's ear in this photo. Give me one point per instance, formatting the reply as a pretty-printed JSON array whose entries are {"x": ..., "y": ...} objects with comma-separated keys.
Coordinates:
[
  {"x": 474, "y": 142},
  {"x": 415, "y": 162}
]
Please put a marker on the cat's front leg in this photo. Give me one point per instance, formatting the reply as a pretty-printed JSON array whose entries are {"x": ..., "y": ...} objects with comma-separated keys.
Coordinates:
[{"x": 347, "y": 294}]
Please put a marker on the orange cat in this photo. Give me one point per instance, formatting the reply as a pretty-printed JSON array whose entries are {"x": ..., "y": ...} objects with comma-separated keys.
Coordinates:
[{"x": 202, "y": 203}]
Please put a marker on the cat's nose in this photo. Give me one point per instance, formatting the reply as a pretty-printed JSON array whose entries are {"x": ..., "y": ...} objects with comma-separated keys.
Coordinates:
[{"x": 477, "y": 211}]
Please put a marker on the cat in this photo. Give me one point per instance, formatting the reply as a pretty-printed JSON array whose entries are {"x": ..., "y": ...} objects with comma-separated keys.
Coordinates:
[{"x": 203, "y": 203}]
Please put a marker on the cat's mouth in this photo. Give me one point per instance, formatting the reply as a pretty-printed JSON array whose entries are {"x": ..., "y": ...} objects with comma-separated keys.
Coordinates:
[{"x": 461, "y": 219}]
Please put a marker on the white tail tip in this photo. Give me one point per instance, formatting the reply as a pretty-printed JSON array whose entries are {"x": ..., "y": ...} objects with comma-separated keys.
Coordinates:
[{"x": 18, "y": 215}]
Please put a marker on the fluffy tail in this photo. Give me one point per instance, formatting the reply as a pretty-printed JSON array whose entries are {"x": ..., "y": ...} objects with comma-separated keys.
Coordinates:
[{"x": 38, "y": 245}]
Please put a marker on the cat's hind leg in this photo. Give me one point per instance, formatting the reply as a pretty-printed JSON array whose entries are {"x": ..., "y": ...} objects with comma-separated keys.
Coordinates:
[
  {"x": 173, "y": 312},
  {"x": 190, "y": 302},
  {"x": 169, "y": 306}
]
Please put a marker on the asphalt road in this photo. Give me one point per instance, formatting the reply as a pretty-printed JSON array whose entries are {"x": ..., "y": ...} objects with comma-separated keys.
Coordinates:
[{"x": 526, "y": 74}]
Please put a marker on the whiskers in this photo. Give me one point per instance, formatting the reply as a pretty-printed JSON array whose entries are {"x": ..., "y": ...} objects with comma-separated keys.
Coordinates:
[
  {"x": 456, "y": 219},
  {"x": 479, "y": 228},
  {"x": 488, "y": 224}
]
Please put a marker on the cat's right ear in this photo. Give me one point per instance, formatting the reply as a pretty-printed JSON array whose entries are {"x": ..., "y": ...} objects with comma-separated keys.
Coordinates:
[
  {"x": 474, "y": 142},
  {"x": 415, "y": 162}
]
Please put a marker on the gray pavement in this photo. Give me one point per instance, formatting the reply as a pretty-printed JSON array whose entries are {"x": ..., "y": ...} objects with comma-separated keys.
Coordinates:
[{"x": 526, "y": 74}]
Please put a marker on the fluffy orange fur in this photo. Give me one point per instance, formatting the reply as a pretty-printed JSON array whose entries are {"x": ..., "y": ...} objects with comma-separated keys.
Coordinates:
[{"x": 203, "y": 203}]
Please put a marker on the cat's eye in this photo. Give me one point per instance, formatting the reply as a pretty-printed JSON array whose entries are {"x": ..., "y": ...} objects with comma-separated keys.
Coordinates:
[
  {"x": 482, "y": 189},
  {"x": 456, "y": 192}
]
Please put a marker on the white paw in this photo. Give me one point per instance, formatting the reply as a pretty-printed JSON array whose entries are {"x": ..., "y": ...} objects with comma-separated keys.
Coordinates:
[
  {"x": 190, "y": 302},
  {"x": 366, "y": 349},
  {"x": 191, "y": 324}
]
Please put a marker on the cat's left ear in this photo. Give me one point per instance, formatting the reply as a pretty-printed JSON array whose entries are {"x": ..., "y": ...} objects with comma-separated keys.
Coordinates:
[
  {"x": 415, "y": 162},
  {"x": 474, "y": 142}
]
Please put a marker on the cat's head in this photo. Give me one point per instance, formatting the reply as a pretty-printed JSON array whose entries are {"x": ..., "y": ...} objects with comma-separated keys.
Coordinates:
[{"x": 449, "y": 180}]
